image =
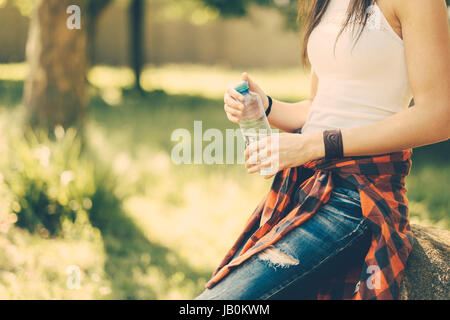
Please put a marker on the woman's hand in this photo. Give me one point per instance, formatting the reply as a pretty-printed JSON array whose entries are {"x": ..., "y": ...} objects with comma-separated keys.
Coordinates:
[
  {"x": 282, "y": 151},
  {"x": 234, "y": 101}
]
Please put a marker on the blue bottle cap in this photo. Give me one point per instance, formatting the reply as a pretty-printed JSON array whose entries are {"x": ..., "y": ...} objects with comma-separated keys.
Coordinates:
[{"x": 242, "y": 87}]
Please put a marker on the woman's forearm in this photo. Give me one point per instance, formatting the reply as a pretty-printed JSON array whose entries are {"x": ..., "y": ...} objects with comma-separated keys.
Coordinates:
[
  {"x": 289, "y": 116},
  {"x": 411, "y": 128},
  {"x": 414, "y": 127}
]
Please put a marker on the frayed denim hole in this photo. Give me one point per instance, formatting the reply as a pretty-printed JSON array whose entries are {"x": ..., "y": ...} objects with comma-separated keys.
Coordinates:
[{"x": 277, "y": 258}]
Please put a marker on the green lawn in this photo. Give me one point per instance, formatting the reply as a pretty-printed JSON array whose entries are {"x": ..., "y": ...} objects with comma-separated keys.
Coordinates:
[{"x": 154, "y": 230}]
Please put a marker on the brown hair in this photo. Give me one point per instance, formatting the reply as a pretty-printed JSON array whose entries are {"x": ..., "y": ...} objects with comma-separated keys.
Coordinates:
[{"x": 310, "y": 13}]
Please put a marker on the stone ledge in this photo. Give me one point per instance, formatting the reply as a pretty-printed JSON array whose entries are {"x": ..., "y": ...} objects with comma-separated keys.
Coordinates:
[{"x": 427, "y": 274}]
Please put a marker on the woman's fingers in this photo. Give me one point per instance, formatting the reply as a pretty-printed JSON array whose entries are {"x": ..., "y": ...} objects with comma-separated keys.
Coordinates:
[
  {"x": 255, "y": 88},
  {"x": 260, "y": 155},
  {"x": 233, "y": 103},
  {"x": 232, "y": 118},
  {"x": 258, "y": 160},
  {"x": 257, "y": 156},
  {"x": 251, "y": 148},
  {"x": 232, "y": 111},
  {"x": 257, "y": 145},
  {"x": 235, "y": 95},
  {"x": 267, "y": 163},
  {"x": 247, "y": 78},
  {"x": 233, "y": 108}
]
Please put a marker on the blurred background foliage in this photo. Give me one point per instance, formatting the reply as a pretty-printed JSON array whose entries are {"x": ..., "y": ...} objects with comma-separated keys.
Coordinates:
[{"x": 95, "y": 188}]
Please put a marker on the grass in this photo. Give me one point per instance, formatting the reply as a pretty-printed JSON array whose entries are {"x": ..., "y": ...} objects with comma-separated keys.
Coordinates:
[{"x": 157, "y": 230}]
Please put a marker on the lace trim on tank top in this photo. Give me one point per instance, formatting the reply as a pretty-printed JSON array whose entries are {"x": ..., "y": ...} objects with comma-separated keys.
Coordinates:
[{"x": 375, "y": 19}]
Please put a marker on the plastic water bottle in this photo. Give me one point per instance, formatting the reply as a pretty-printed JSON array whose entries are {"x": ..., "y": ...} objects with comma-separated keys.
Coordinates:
[{"x": 253, "y": 122}]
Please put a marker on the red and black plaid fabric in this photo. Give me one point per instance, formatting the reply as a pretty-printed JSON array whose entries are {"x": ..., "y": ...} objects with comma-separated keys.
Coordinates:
[{"x": 294, "y": 198}]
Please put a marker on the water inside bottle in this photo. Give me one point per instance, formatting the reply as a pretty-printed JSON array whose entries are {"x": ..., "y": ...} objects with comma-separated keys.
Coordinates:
[{"x": 256, "y": 130}]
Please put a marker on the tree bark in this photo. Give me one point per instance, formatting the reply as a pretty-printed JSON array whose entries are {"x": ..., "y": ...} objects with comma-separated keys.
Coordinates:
[
  {"x": 93, "y": 10},
  {"x": 55, "y": 88}
]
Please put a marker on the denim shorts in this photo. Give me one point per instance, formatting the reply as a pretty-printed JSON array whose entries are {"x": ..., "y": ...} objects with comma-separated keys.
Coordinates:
[{"x": 313, "y": 252}]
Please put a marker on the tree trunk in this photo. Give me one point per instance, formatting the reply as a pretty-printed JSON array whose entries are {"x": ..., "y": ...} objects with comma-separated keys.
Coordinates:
[
  {"x": 55, "y": 88},
  {"x": 136, "y": 35},
  {"x": 93, "y": 11}
]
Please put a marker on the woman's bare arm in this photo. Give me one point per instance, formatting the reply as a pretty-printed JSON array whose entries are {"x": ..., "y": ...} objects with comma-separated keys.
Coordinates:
[
  {"x": 427, "y": 44},
  {"x": 292, "y": 116}
]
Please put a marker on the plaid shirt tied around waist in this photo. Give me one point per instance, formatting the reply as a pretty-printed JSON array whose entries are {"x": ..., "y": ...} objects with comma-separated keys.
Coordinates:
[{"x": 294, "y": 197}]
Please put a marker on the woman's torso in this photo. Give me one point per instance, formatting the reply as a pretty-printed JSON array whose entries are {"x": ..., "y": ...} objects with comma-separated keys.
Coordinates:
[{"x": 359, "y": 83}]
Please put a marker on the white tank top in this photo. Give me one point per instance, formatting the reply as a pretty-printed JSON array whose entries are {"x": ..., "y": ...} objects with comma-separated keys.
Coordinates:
[{"x": 358, "y": 85}]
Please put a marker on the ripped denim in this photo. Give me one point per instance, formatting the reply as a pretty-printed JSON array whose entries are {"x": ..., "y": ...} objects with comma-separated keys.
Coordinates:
[{"x": 312, "y": 252}]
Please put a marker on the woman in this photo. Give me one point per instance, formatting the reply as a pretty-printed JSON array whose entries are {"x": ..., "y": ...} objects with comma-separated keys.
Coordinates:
[{"x": 335, "y": 223}]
